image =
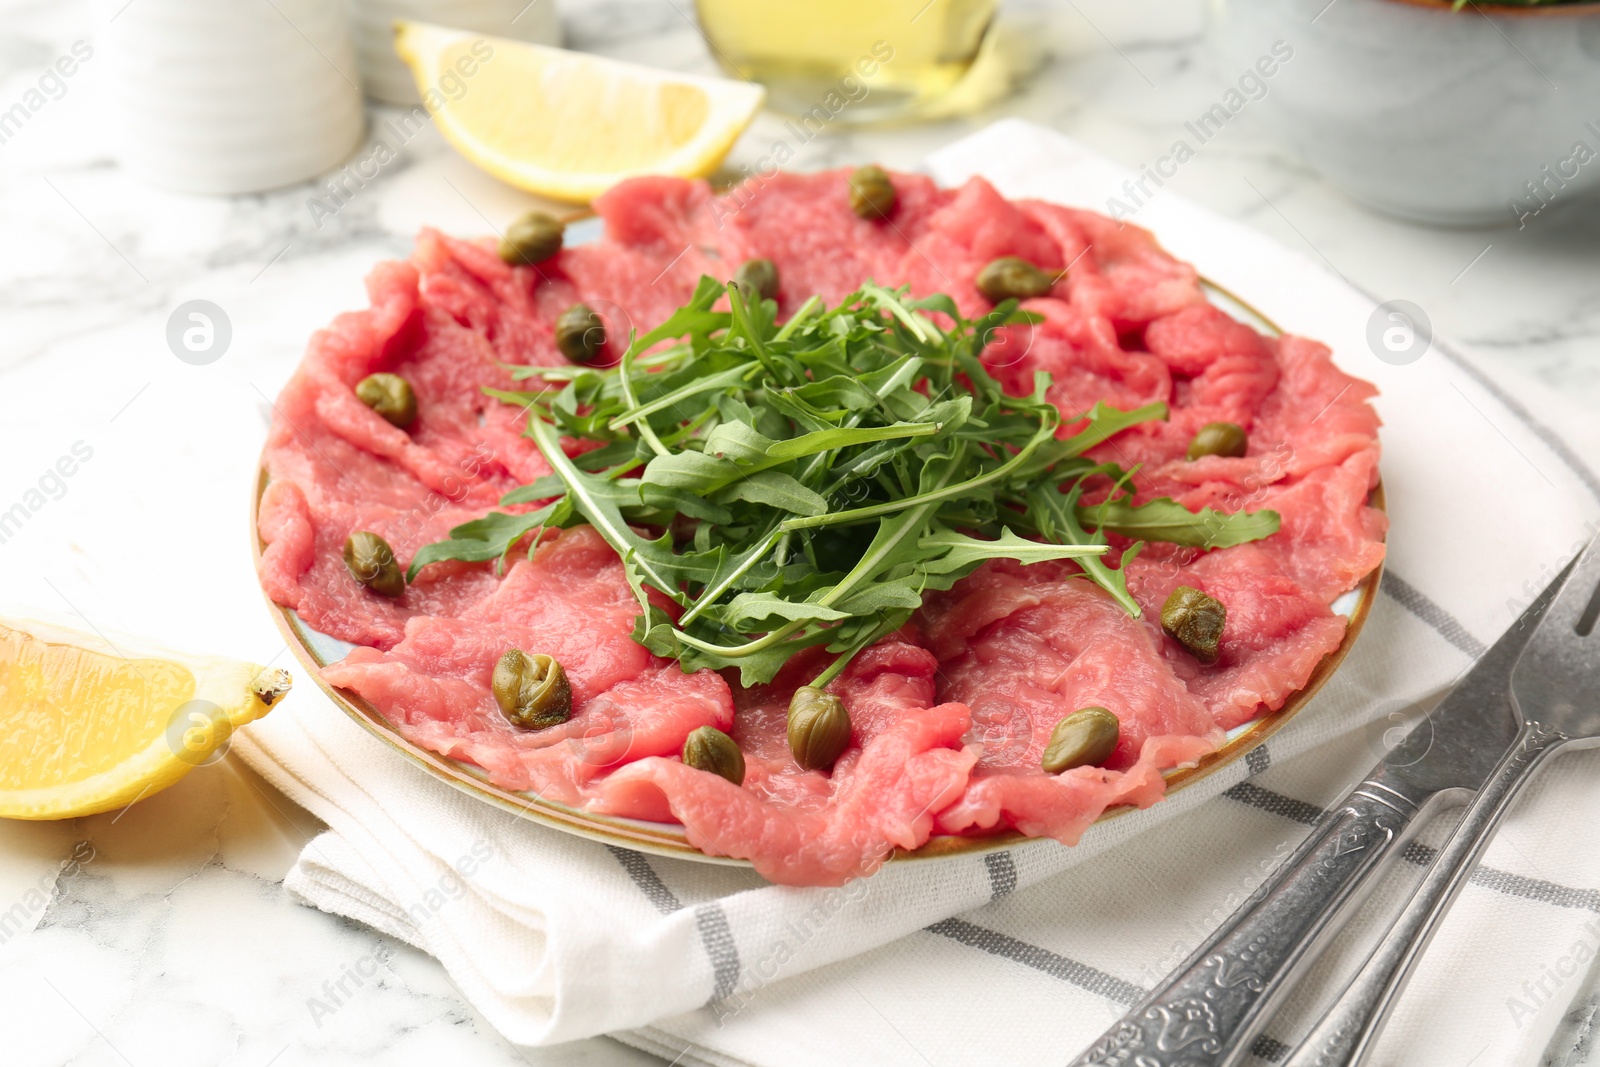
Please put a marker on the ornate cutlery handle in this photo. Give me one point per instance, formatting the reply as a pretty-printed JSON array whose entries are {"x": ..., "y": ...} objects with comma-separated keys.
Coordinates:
[
  {"x": 1346, "y": 1033},
  {"x": 1207, "y": 1011}
]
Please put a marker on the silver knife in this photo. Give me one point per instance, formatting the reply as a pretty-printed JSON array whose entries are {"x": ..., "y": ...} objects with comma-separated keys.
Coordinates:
[{"x": 1208, "y": 1010}]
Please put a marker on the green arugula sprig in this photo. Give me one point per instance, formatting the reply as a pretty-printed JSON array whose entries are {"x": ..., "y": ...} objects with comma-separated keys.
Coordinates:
[{"x": 787, "y": 486}]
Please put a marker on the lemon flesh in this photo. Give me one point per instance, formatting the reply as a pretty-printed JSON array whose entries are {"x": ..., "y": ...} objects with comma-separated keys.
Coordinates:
[
  {"x": 565, "y": 124},
  {"x": 88, "y": 726}
]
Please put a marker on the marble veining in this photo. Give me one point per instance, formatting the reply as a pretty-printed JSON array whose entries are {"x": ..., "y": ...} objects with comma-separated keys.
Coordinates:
[{"x": 162, "y": 934}]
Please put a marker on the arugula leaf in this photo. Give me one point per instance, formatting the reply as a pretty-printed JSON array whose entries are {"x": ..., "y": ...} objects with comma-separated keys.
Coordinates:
[
  {"x": 950, "y": 551},
  {"x": 1164, "y": 519},
  {"x": 595, "y": 500},
  {"x": 899, "y": 595},
  {"x": 807, "y": 484},
  {"x": 539, "y": 489},
  {"x": 694, "y": 471},
  {"x": 1056, "y": 516},
  {"x": 490, "y": 537},
  {"x": 778, "y": 490},
  {"x": 763, "y": 607},
  {"x": 844, "y": 437},
  {"x": 1105, "y": 422},
  {"x": 667, "y": 500}
]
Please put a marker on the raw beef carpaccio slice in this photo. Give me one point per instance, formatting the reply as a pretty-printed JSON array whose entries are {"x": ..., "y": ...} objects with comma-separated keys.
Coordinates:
[{"x": 950, "y": 715}]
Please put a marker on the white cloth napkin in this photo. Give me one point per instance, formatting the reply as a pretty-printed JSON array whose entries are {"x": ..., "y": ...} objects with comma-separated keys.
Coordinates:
[{"x": 1028, "y": 955}]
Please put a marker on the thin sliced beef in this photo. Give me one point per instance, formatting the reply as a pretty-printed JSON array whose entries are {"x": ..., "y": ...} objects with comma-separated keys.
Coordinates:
[
  {"x": 951, "y": 715},
  {"x": 570, "y": 602}
]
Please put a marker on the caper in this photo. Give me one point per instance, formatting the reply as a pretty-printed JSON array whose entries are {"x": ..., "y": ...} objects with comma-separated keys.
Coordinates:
[
  {"x": 580, "y": 335},
  {"x": 819, "y": 728},
  {"x": 872, "y": 194},
  {"x": 390, "y": 396},
  {"x": 1194, "y": 620},
  {"x": 1086, "y": 738},
  {"x": 533, "y": 238},
  {"x": 709, "y": 749},
  {"x": 1219, "y": 439},
  {"x": 532, "y": 691},
  {"x": 370, "y": 561},
  {"x": 757, "y": 278},
  {"x": 1014, "y": 278}
]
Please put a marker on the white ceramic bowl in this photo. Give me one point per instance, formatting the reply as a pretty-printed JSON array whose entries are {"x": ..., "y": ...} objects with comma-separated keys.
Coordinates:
[
  {"x": 230, "y": 97},
  {"x": 1456, "y": 117}
]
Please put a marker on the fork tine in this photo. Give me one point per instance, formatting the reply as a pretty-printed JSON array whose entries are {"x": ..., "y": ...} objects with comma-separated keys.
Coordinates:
[
  {"x": 1558, "y": 673},
  {"x": 1545, "y": 672},
  {"x": 1578, "y": 592}
]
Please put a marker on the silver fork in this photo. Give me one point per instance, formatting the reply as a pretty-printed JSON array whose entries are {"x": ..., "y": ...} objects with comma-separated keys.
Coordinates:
[
  {"x": 1555, "y": 696},
  {"x": 1207, "y": 1011}
]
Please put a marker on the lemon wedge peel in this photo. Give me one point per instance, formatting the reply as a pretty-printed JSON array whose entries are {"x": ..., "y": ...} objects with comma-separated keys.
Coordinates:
[
  {"x": 225, "y": 694},
  {"x": 569, "y": 125}
]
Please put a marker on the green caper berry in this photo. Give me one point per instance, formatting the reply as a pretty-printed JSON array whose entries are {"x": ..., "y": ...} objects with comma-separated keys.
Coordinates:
[
  {"x": 709, "y": 749},
  {"x": 757, "y": 278},
  {"x": 1219, "y": 439},
  {"x": 819, "y": 728},
  {"x": 1086, "y": 738},
  {"x": 580, "y": 334},
  {"x": 872, "y": 194},
  {"x": 532, "y": 238},
  {"x": 370, "y": 561},
  {"x": 1014, "y": 278},
  {"x": 532, "y": 691},
  {"x": 390, "y": 396},
  {"x": 1195, "y": 621}
]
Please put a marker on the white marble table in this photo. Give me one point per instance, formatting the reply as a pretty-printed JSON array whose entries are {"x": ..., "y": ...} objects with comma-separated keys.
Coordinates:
[{"x": 170, "y": 940}]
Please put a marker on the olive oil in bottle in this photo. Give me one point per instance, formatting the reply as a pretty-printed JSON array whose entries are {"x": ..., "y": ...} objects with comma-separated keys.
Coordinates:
[{"x": 847, "y": 61}]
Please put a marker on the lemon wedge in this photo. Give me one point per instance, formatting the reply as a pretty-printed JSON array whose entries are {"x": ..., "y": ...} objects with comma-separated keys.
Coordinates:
[
  {"x": 89, "y": 725},
  {"x": 565, "y": 124}
]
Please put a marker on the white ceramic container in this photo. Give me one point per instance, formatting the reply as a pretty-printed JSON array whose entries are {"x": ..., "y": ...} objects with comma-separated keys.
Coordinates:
[
  {"x": 388, "y": 80},
  {"x": 230, "y": 96},
  {"x": 1488, "y": 115}
]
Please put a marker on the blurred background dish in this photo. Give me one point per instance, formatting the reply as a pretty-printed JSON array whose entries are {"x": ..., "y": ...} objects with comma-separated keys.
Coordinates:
[
  {"x": 845, "y": 59},
  {"x": 1482, "y": 115},
  {"x": 230, "y": 97}
]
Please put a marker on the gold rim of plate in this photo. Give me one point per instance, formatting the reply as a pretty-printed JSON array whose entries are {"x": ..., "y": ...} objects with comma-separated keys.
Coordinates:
[{"x": 668, "y": 839}]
